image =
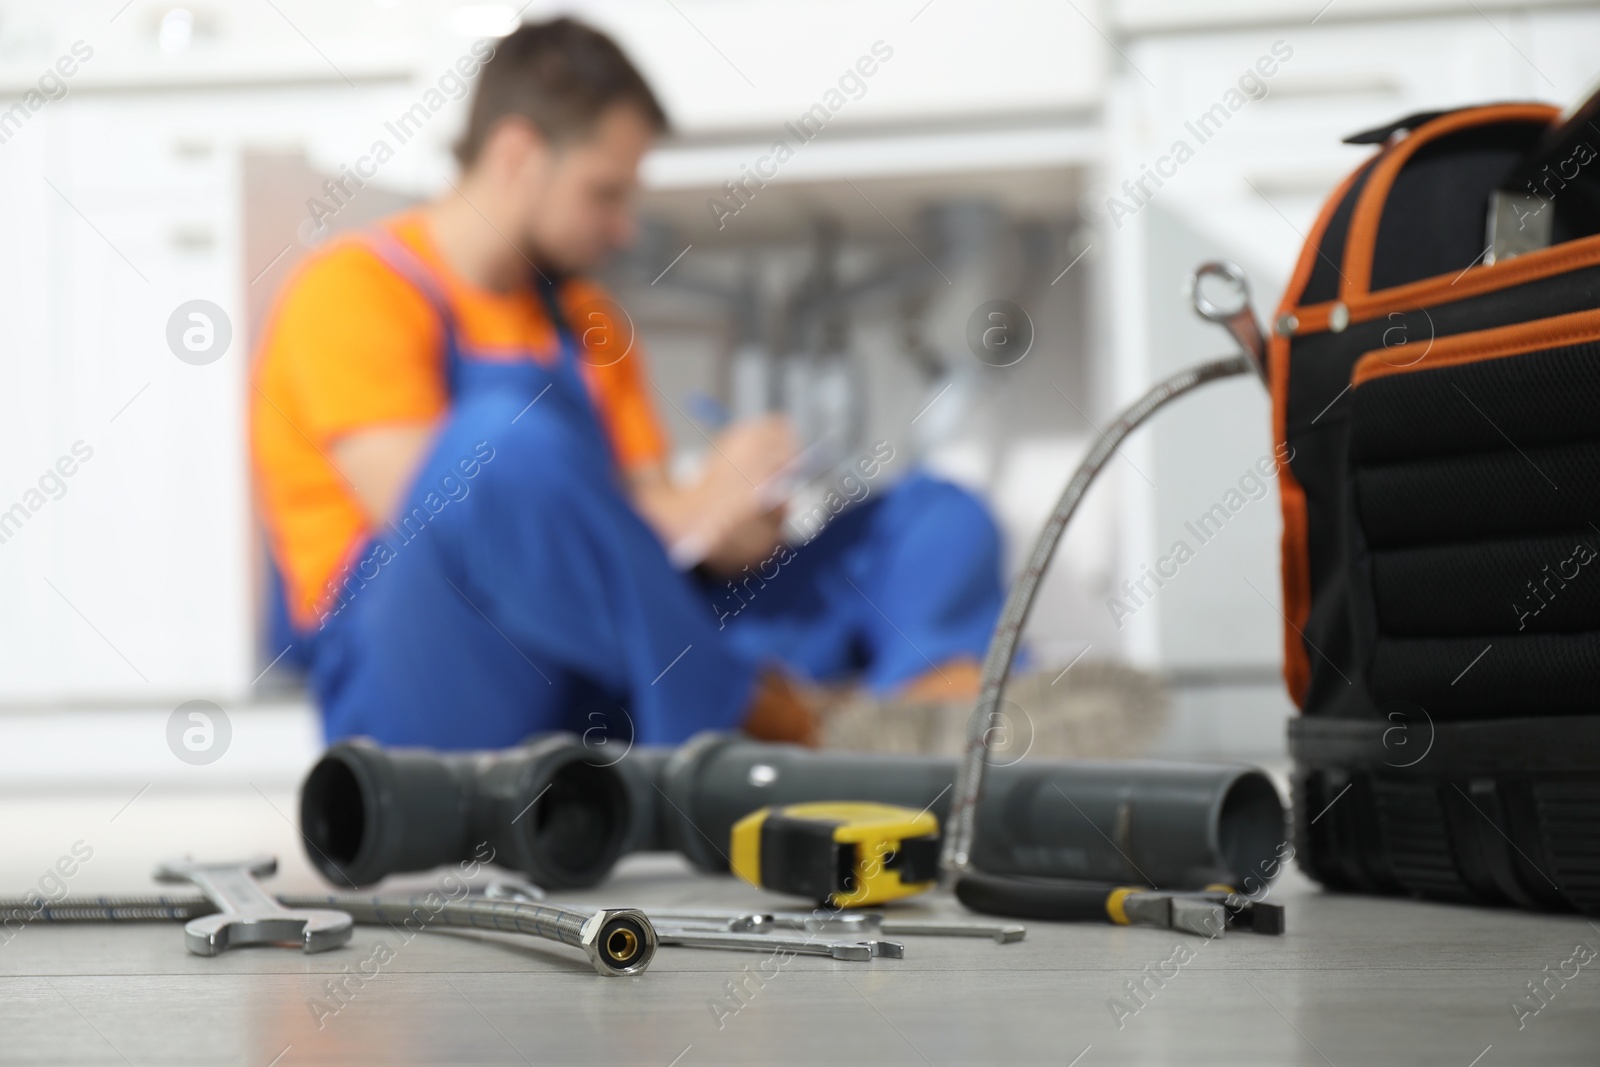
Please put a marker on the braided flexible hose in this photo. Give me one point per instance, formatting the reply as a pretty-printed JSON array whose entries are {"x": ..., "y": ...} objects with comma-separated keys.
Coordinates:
[
  {"x": 551, "y": 922},
  {"x": 16, "y": 911},
  {"x": 956, "y": 853},
  {"x": 618, "y": 941}
]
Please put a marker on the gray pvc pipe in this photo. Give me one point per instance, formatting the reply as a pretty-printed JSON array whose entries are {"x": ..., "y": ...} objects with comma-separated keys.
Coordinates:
[{"x": 1173, "y": 825}]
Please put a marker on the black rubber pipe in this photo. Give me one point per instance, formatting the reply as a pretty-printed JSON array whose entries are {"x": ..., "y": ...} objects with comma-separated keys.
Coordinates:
[{"x": 550, "y": 812}]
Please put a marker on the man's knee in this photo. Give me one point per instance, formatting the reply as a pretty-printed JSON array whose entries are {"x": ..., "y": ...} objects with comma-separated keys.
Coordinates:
[{"x": 949, "y": 510}]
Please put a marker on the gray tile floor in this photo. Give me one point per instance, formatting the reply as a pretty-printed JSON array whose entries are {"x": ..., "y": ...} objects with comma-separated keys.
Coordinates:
[{"x": 1354, "y": 981}]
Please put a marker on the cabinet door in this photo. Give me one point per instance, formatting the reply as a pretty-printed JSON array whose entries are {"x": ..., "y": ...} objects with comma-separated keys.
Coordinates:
[
  {"x": 136, "y": 577},
  {"x": 34, "y": 622}
]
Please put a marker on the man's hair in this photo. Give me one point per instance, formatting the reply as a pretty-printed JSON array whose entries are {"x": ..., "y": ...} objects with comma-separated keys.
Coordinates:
[{"x": 559, "y": 75}]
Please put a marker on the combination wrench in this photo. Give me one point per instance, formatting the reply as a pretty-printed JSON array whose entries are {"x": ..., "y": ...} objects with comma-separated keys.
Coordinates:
[{"x": 1235, "y": 315}]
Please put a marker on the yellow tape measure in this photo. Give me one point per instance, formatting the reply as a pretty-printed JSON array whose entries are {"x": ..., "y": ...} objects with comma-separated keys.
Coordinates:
[{"x": 844, "y": 854}]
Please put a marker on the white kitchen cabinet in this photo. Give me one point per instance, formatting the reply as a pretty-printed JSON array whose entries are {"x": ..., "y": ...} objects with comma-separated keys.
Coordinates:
[{"x": 136, "y": 585}]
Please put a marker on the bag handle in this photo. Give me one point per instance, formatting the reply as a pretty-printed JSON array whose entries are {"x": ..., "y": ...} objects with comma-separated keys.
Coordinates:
[{"x": 1355, "y": 282}]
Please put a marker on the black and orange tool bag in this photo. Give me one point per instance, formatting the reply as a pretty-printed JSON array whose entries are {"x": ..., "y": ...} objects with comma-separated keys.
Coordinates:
[{"x": 1440, "y": 401}]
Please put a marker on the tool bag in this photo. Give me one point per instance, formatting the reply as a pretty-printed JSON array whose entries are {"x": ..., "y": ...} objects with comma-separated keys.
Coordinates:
[{"x": 1440, "y": 409}]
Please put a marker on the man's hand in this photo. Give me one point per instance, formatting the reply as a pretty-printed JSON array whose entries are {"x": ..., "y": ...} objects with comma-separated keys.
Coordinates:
[
  {"x": 731, "y": 515},
  {"x": 746, "y": 458}
]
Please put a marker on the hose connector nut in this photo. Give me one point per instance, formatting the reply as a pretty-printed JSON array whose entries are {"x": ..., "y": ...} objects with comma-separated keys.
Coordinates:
[{"x": 619, "y": 941}]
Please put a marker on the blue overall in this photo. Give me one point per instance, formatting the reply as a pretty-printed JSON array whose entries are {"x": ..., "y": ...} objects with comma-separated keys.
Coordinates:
[{"x": 519, "y": 592}]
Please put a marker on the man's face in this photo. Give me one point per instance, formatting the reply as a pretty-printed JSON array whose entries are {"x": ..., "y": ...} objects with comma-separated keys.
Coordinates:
[{"x": 578, "y": 205}]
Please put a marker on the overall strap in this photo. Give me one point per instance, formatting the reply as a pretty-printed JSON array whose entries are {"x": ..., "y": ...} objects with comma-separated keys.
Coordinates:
[
  {"x": 567, "y": 342},
  {"x": 408, "y": 265},
  {"x": 566, "y": 375},
  {"x": 567, "y": 365}
]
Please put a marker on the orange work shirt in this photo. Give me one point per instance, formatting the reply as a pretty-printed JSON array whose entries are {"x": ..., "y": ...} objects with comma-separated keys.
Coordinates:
[{"x": 351, "y": 346}]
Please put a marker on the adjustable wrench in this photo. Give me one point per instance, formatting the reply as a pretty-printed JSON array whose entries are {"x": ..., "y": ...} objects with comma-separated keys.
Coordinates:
[{"x": 247, "y": 914}]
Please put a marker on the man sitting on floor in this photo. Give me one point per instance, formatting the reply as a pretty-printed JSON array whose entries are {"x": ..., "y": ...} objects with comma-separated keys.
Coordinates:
[{"x": 466, "y": 492}]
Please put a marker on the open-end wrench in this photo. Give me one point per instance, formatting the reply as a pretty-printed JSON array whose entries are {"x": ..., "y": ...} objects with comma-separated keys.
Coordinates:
[
  {"x": 858, "y": 950},
  {"x": 866, "y": 924},
  {"x": 1236, "y": 315},
  {"x": 248, "y": 914},
  {"x": 1000, "y": 933}
]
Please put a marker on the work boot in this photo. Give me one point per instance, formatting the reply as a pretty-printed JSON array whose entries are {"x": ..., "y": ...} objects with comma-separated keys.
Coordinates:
[{"x": 1094, "y": 710}]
